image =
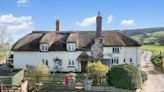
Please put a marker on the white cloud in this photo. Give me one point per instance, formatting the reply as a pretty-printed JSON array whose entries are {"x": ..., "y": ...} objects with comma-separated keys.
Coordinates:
[
  {"x": 22, "y": 2},
  {"x": 16, "y": 27},
  {"x": 110, "y": 19},
  {"x": 87, "y": 22},
  {"x": 128, "y": 22}
]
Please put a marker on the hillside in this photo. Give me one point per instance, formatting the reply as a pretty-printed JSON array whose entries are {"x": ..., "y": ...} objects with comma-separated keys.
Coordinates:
[{"x": 148, "y": 35}]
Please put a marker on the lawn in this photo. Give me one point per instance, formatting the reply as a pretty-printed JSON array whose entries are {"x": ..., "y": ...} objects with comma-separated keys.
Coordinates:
[{"x": 156, "y": 49}]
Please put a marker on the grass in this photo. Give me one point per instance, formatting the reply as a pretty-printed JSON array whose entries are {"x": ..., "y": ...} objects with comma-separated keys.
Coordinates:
[
  {"x": 156, "y": 49},
  {"x": 160, "y": 33},
  {"x": 150, "y": 36},
  {"x": 156, "y": 59}
]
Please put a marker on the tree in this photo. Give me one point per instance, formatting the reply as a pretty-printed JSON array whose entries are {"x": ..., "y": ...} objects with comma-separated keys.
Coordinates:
[
  {"x": 97, "y": 70},
  {"x": 41, "y": 69},
  {"x": 37, "y": 74},
  {"x": 5, "y": 38},
  {"x": 161, "y": 40}
]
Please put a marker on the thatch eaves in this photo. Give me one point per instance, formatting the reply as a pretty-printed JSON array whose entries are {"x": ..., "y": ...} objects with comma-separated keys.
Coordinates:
[{"x": 84, "y": 40}]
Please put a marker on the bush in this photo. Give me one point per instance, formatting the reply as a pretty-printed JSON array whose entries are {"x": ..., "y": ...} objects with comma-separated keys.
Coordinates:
[
  {"x": 144, "y": 76},
  {"x": 96, "y": 70},
  {"x": 72, "y": 75},
  {"x": 157, "y": 61},
  {"x": 125, "y": 76}
]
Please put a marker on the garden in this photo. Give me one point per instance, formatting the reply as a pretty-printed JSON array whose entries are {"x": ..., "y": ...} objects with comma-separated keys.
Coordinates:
[{"x": 120, "y": 76}]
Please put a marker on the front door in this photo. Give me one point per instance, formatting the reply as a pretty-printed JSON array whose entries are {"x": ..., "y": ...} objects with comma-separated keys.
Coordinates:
[{"x": 84, "y": 66}]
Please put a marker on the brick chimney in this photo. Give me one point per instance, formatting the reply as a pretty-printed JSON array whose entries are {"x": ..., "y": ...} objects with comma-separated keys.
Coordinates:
[
  {"x": 57, "y": 25},
  {"x": 98, "y": 25}
]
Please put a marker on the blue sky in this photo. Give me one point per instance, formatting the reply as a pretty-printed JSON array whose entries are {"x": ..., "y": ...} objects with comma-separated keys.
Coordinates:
[{"x": 80, "y": 14}]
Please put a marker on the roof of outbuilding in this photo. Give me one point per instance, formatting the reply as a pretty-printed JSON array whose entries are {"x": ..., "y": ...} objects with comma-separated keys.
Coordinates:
[
  {"x": 4, "y": 71},
  {"x": 84, "y": 40}
]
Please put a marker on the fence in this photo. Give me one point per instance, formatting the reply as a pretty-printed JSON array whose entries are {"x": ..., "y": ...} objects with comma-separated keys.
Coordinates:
[{"x": 54, "y": 82}]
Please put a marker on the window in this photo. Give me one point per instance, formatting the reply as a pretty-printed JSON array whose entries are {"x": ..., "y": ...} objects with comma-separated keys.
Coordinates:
[
  {"x": 45, "y": 62},
  {"x": 71, "y": 46},
  {"x": 43, "y": 47},
  {"x": 131, "y": 60},
  {"x": 117, "y": 60},
  {"x": 115, "y": 49},
  {"x": 114, "y": 60},
  {"x": 71, "y": 62},
  {"x": 124, "y": 60}
]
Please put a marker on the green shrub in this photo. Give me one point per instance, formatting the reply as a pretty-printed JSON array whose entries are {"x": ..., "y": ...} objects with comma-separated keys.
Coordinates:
[
  {"x": 96, "y": 70},
  {"x": 144, "y": 76},
  {"x": 125, "y": 76},
  {"x": 157, "y": 61},
  {"x": 72, "y": 75}
]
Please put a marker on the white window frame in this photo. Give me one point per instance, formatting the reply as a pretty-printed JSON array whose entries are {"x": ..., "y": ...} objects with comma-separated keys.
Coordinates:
[
  {"x": 44, "y": 47},
  {"x": 116, "y": 50},
  {"x": 45, "y": 62},
  {"x": 71, "y": 47},
  {"x": 114, "y": 61},
  {"x": 71, "y": 63}
]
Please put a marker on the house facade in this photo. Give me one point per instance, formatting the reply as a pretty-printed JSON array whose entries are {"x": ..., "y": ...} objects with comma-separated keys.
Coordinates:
[{"x": 71, "y": 51}]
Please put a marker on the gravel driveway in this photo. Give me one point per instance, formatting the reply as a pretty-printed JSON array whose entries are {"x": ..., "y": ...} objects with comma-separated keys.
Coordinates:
[{"x": 155, "y": 82}]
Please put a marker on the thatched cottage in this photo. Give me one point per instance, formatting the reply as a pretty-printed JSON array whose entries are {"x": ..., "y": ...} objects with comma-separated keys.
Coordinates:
[{"x": 71, "y": 51}]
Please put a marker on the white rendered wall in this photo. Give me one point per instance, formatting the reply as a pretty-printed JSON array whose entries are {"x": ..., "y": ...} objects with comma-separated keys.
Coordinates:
[
  {"x": 33, "y": 58},
  {"x": 124, "y": 53}
]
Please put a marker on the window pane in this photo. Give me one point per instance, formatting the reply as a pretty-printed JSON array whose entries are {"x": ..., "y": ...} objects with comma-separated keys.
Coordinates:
[{"x": 72, "y": 62}]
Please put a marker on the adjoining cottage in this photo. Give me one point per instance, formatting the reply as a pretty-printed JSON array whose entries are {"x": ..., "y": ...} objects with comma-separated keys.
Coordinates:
[{"x": 74, "y": 49}]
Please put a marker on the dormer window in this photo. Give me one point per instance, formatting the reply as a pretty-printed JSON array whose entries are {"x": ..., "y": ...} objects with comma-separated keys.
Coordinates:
[
  {"x": 43, "y": 47},
  {"x": 71, "y": 46}
]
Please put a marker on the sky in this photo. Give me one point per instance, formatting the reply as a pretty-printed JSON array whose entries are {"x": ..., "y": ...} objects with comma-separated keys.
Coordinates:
[{"x": 20, "y": 17}]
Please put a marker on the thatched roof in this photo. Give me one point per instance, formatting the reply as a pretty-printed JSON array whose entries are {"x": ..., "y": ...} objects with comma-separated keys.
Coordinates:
[{"x": 84, "y": 40}]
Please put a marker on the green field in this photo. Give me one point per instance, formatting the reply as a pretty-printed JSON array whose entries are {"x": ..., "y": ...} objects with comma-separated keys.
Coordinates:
[
  {"x": 149, "y": 36},
  {"x": 156, "y": 49}
]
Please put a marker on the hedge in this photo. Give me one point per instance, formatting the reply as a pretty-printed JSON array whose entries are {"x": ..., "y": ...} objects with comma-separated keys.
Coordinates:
[{"x": 125, "y": 76}]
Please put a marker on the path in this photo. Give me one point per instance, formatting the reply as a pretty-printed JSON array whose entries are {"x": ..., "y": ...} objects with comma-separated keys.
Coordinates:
[{"x": 155, "y": 82}]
